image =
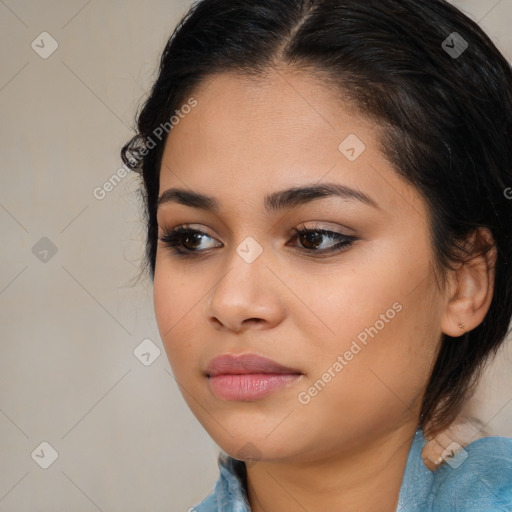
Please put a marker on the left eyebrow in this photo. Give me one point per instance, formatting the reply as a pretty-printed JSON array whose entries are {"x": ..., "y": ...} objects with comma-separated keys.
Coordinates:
[{"x": 274, "y": 202}]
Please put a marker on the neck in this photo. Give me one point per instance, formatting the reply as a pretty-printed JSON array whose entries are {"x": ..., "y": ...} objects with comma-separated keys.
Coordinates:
[{"x": 364, "y": 479}]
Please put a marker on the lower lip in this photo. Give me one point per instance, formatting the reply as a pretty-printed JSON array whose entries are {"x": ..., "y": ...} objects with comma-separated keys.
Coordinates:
[{"x": 249, "y": 387}]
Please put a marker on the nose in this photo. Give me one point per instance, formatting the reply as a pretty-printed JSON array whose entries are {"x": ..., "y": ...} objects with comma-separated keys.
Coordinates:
[{"x": 247, "y": 296}]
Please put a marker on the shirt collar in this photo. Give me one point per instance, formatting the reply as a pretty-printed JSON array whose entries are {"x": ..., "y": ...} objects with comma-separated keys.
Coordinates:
[{"x": 477, "y": 479}]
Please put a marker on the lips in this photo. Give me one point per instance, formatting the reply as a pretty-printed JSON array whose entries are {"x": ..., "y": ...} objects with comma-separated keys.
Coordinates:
[
  {"x": 248, "y": 377},
  {"x": 230, "y": 364}
]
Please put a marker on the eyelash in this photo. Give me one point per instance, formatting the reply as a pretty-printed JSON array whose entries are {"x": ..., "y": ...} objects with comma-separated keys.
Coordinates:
[{"x": 172, "y": 240}]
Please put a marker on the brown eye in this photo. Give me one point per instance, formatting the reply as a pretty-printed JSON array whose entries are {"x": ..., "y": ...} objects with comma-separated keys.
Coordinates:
[
  {"x": 185, "y": 241},
  {"x": 311, "y": 240},
  {"x": 190, "y": 240}
]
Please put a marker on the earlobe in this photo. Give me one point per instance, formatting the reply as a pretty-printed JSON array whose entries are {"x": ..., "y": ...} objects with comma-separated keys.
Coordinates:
[{"x": 471, "y": 287}]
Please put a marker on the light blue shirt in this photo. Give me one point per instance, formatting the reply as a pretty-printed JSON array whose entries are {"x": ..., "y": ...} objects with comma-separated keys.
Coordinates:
[{"x": 476, "y": 479}]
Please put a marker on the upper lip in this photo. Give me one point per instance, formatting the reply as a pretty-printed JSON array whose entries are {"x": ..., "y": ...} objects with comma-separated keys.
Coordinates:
[{"x": 232, "y": 364}]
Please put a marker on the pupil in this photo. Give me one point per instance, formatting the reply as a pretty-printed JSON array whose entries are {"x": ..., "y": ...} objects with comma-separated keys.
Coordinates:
[
  {"x": 312, "y": 238},
  {"x": 192, "y": 236}
]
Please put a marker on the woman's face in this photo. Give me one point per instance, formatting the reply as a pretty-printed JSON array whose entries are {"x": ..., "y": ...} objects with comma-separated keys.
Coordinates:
[{"x": 357, "y": 326}]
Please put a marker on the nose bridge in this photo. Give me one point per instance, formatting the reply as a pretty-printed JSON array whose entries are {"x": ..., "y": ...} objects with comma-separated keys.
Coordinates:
[
  {"x": 246, "y": 264},
  {"x": 243, "y": 291}
]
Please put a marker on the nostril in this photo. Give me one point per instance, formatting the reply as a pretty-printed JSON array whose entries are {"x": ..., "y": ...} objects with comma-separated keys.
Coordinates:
[{"x": 255, "y": 320}]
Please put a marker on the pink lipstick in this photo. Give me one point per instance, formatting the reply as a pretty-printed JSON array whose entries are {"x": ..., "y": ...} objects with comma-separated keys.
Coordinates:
[{"x": 247, "y": 377}]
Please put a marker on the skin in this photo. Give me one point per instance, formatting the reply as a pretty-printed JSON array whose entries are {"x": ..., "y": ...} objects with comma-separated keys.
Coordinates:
[{"x": 347, "y": 448}]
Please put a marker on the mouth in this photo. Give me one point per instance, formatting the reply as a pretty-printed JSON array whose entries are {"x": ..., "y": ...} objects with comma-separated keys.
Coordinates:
[{"x": 248, "y": 377}]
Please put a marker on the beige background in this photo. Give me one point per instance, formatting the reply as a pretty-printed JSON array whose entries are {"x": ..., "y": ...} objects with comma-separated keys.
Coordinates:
[{"x": 125, "y": 439}]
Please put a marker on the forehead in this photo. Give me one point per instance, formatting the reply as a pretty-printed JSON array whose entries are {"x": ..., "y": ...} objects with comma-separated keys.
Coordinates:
[
  {"x": 285, "y": 109},
  {"x": 245, "y": 139}
]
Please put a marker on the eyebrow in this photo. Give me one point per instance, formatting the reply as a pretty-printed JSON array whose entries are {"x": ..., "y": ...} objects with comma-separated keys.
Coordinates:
[{"x": 273, "y": 202}]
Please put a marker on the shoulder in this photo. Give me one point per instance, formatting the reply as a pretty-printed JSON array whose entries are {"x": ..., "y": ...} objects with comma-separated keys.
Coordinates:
[{"x": 477, "y": 478}]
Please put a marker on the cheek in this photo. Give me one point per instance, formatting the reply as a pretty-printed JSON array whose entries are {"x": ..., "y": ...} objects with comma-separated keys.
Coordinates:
[
  {"x": 164, "y": 300},
  {"x": 352, "y": 304},
  {"x": 176, "y": 296},
  {"x": 383, "y": 325},
  {"x": 177, "y": 310},
  {"x": 363, "y": 386}
]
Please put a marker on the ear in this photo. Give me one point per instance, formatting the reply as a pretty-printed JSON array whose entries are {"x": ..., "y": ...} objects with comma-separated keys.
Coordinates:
[{"x": 471, "y": 286}]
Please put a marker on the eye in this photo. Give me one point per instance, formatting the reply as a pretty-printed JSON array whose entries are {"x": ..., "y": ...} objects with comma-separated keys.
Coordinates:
[
  {"x": 312, "y": 238},
  {"x": 185, "y": 241}
]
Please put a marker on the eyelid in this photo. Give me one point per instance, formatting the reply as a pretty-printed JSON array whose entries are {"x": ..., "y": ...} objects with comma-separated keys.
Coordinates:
[
  {"x": 327, "y": 226},
  {"x": 171, "y": 238},
  {"x": 303, "y": 226},
  {"x": 164, "y": 230}
]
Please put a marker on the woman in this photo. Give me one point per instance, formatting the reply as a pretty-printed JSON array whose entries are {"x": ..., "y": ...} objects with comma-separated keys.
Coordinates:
[{"x": 328, "y": 233}]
